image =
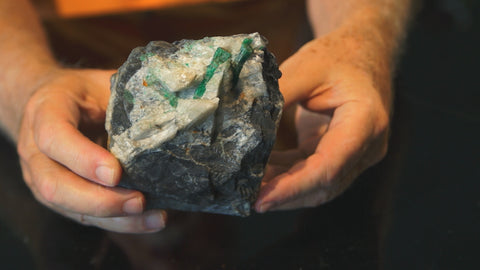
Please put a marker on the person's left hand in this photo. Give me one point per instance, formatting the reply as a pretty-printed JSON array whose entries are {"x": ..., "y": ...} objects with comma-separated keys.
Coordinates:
[{"x": 342, "y": 126}]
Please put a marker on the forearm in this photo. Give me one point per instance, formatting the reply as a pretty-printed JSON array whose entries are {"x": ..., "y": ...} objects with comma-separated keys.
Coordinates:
[
  {"x": 25, "y": 61},
  {"x": 367, "y": 33},
  {"x": 381, "y": 20}
]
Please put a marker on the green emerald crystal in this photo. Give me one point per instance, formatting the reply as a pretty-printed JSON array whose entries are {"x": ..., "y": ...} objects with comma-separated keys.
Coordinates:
[
  {"x": 128, "y": 96},
  {"x": 245, "y": 53},
  {"x": 145, "y": 56},
  {"x": 170, "y": 96},
  {"x": 151, "y": 80},
  {"x": 219, "y": 57}
]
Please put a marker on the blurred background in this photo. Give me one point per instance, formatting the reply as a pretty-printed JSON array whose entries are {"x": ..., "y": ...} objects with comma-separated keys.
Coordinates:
[{"x": 417, "y": 209}]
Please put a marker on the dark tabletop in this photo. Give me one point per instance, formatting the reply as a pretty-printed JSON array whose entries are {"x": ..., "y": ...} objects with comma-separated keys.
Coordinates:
[{"x": 417, "y": 209}]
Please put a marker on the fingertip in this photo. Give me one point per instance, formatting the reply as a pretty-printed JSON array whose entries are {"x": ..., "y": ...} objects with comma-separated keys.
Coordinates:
[
  {"x": 264, "y": 203},
  {"x": 108, "y": 172},
  {"x": 134, "y": 206},
  {"x": 286, "y": 186},
  {"x": 106, "y": 175},
  {"x": 296, "y": 82},
  {"x": 261, "y": 207},
  {"x": 155, "y": 220}
]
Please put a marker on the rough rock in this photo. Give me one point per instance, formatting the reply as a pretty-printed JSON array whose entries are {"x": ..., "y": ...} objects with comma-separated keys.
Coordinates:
[{"x": 193, "y": 122}]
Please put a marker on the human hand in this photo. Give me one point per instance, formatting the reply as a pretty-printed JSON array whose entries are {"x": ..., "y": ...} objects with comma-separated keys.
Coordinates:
[
  {"x": 64, "y": 166},
  {"x": 342, "y": 124}
]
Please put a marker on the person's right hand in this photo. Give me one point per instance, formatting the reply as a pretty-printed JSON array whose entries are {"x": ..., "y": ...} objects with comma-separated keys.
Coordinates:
[{"x": 64, "y": 166}]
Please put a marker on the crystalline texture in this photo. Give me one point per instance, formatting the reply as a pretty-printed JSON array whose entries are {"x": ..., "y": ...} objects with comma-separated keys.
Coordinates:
[
  {"x": 193, "y": 122},
  {"x": 220, "y": 57}
]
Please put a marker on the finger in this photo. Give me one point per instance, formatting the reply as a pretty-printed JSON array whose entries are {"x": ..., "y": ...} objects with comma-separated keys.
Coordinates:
[
  {"x": 56, "y": 186},
  {"x": 57, "y": 137},
  {"x": 313, "y": 126},
  {"x": 280, "y": 161},
  {"x": 299, "y": 76},
  {"x": 100, "y": 81},
  {"x": 288, "y": 186},
  {"x": 309, "y": 200},
  {"x": 271, "y": 171},
  {"x": 337, "y": 153},
  {"x": 148, "y": 222},
  {"x": 322, "y": 195}
]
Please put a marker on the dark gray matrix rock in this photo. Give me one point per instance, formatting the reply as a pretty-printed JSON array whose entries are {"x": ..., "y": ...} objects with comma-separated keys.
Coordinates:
[{"x": 193, "y": 122}]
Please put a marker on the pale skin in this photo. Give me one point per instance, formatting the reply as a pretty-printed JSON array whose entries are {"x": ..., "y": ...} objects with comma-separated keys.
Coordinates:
[{"x": 341, "y": 80}]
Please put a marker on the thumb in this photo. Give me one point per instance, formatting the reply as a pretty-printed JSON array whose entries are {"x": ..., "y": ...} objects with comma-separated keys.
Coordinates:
[{"x": 98, "y": 80}]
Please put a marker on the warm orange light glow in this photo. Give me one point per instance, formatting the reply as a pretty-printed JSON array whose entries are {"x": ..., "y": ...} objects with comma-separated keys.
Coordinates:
[{"x": 78, "y": 8}]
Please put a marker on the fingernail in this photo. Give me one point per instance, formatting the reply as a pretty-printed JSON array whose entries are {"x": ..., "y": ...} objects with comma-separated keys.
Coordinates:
[
  {"x": 133, "y": 206},
  {"x": 105, "y": 175},
  {"x": 264, "y": 207},
  {"x": 154, "y": 221}
]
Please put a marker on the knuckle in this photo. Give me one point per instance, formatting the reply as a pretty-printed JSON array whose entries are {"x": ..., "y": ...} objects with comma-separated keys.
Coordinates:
[
  {"x": 31, "y": 171},
  {"x": 39, "y": 198},
  {"x": 383, "y": 122},
  {"x": 31, "y": 105},
  {"x": 34, "y": 115},
  {"x": 379, "y": 152},
  {"x": 24, "y": 146},
  {"x": 27, "y": 177},
  {"x": 45, "y": 137},
  {"x": 23, "y": 151},
  {"x": 383, "y": 151},
  {"x": 48, "y": 190},
  {"x": 383, "y": 129},
  {"x": 376, "y": 111}
]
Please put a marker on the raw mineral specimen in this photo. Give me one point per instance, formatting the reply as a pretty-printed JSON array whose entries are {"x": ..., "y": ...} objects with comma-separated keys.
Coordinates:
[{"x": 193, "y": 122}]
